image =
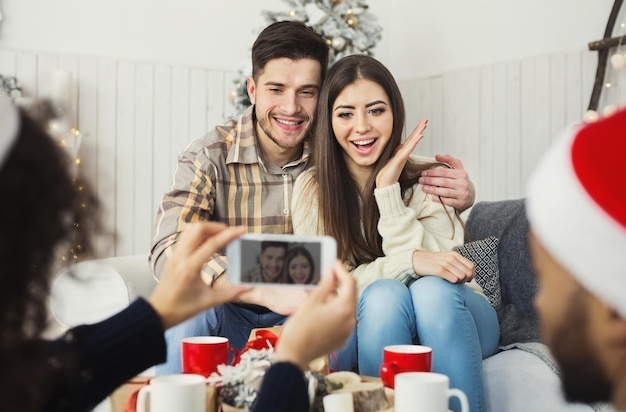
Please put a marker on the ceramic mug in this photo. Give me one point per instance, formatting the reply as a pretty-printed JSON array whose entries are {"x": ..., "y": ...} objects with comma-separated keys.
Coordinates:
[
  {"x": 425, "y": 392},
  {"x": 202, "y": 354},
  {"x": 338, "y": 402},
  {"x": 404, "y": 358},
  {"x": 178, "y": 392}
]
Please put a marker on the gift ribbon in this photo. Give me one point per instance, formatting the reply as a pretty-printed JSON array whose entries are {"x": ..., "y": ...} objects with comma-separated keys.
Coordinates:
[
  {"x": 131, "y": 403},
  {"x": 264, "y": 339}
]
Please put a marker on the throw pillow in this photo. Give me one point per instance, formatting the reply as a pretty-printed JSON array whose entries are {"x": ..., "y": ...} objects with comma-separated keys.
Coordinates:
[{"x": 484, "y": 254}]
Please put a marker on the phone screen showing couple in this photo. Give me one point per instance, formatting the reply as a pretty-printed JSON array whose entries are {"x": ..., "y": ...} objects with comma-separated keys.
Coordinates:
[{"x": 280, "y": 259}]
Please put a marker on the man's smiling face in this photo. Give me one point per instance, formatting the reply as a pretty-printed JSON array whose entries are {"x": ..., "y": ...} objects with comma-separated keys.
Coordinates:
[
  {"x": 285, "y": 97},
  {"x": 272, "y": 260}
]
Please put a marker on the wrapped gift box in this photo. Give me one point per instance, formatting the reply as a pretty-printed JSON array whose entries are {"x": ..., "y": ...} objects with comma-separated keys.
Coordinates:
[{"x": 266, "y": 337}]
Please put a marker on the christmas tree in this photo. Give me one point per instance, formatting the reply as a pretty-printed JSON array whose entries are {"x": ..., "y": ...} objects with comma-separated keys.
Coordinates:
[{"x": 345, "y": 24}]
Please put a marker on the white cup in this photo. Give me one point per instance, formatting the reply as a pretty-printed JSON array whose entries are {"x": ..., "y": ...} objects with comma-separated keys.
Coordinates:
[
  {"x": 425, "y": 392},
  {"x": 338, "y": 402},
  {"x": 179, "y": 392}
]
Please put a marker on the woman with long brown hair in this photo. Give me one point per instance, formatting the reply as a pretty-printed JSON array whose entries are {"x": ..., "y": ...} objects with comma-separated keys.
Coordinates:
[{"x": 362, "y": 188}]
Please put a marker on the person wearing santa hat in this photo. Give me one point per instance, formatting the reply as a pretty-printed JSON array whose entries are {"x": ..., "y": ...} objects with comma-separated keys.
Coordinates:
[{"x": 576, "y": 206}]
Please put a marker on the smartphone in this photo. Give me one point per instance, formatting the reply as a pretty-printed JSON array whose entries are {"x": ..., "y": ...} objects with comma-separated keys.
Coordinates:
[{"x": 274, "y": 259}]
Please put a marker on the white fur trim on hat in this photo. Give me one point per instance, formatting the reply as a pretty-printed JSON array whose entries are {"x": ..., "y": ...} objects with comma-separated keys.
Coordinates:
[
  {"x": 9, "y": 120},
  {"x": 577, "y": 229}
]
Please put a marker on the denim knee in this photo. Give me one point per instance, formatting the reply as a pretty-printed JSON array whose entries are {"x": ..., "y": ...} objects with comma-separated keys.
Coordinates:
[
  {"x": 345, "y": 358},
  {"x": 384, "y": 297},
  {"x": 439, "y": 305},
  {"x": 384, "y": 317}
]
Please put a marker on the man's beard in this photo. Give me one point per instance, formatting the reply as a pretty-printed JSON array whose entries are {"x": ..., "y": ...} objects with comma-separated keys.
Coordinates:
[
  {"x": 582, "y": 377},
  {"x": 264, "y": 124}
]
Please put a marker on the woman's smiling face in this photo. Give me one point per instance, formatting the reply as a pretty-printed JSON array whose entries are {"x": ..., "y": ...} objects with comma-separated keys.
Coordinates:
[
  {"x": 362, "y": 122},
  {"x": 299, "y": 269}
]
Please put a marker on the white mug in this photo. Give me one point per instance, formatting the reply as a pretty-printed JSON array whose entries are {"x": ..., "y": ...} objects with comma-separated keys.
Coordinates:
[
  {"x": 178, "y": 392},
  {"x": 425, "y": 392},
  {"x": 338, "y": 402}
]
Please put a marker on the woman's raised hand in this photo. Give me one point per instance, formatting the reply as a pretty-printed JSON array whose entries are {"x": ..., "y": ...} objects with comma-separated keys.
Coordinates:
[{"x": 390, "y": 173}]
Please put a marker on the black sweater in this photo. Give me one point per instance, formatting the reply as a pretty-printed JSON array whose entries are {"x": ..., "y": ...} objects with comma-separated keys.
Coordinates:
[{"x": 89, "y": 362}]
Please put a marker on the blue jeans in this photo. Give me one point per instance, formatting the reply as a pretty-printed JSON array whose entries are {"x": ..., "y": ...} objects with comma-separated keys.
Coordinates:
[
  {"x": 462, "y": 328},
  {"x": 457, "y": 323},
  {"x": 384, "y": 317},
  {"x": 229, "y": 320}
]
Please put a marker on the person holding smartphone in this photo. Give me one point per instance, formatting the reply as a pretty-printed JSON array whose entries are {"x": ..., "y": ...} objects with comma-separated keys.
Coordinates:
[{"x": 80, "y": 368}]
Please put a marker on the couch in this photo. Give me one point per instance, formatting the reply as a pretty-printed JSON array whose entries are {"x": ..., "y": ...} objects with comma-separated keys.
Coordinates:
[{"x": 522, "y": 376}]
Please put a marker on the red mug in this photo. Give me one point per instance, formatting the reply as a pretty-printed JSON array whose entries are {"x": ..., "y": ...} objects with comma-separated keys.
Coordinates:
[
  {"x": 202, "y": 354},
  {"x": 404, "y": 358}
]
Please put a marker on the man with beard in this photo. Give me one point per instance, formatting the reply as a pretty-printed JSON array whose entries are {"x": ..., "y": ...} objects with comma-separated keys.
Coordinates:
[
  {"x": 577, "y": 212},
  {"x": 242, "y": 173},
  {"x": 271, "y": 261}
]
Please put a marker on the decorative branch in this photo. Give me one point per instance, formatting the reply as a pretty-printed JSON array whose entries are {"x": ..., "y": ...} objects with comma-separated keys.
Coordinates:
[
  {"x": 603, "y": 56},
  {"x": 607, "y": 43}
]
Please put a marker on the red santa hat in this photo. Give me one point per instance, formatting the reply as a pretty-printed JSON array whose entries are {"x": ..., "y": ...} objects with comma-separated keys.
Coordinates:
[
  {"x": 576, "y": 205},
  {"x": 8, "y": 125}
]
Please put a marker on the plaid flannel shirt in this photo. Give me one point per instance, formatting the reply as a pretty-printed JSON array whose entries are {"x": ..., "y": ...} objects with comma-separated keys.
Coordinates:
[{"x": 222, "y": 177}]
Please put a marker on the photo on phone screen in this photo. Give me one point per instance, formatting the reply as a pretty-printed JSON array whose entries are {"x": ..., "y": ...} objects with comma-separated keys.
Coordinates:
[{"x": 280, "y": 259}]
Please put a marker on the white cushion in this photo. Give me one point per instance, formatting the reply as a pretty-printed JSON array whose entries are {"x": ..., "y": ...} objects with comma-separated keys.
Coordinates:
[
  {"x": 87, "y": 293},
  {"x": 93, "y": 290}
]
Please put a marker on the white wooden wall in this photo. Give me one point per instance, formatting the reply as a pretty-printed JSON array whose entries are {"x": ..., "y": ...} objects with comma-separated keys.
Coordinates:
[
  {"x": 498, "y": 119},
  {"x": 136, "y": 116}
]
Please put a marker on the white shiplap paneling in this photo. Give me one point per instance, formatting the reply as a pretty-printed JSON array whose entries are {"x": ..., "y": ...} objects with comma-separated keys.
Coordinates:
[
  {"x": 499, "y": 119},
  {"x": 137, "y": 116}
]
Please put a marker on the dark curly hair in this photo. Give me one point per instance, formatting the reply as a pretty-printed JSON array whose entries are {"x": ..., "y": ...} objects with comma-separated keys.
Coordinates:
[{"x": 44, "y": 209}]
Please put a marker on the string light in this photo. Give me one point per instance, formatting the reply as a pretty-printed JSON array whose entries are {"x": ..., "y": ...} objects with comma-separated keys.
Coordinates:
[
  {"x": 69, "y": 139},
  {"x": 612, "y": 87},
  {"x": 618, "y": 62},
  {"x": 73, "y": 253}
]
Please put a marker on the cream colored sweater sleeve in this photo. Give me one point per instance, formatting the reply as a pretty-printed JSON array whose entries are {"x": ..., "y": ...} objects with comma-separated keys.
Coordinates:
[
  {"x": 304, "y": 210},
  {"x": 422, "y": 225},
  {"x": 305, "y": 222}
]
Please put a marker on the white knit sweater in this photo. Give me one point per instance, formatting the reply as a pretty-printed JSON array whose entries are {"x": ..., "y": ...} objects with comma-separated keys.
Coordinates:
[{"x": 421, "y": 225}]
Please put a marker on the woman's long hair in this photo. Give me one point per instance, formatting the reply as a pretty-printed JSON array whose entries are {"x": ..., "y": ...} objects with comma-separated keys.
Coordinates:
[
  {"x": 345, "y": 213},
  {"x": 43, "y": 210}
]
